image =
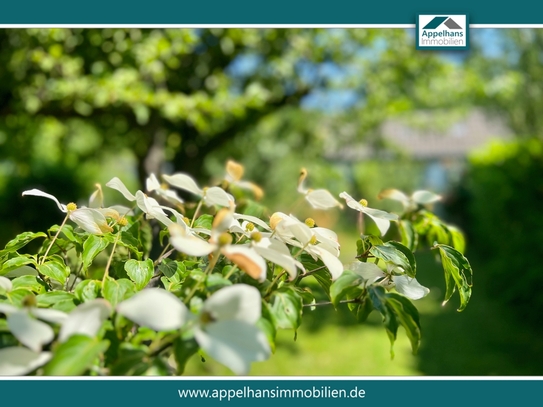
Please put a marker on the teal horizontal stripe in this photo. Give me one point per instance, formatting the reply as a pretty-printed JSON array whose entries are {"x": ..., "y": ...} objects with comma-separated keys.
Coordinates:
[
  {"x": 250, "y": 12},
  {"x": 378, "y": 393}
]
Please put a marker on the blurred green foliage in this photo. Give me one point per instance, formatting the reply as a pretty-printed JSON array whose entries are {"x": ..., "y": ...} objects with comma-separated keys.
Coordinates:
[
  {"x": 500, "y": 200},
  {"x": 77, "y": 105}
]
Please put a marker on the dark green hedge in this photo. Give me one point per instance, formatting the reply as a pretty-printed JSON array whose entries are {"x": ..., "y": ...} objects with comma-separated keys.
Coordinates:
[{"x": 500, "y": 201}]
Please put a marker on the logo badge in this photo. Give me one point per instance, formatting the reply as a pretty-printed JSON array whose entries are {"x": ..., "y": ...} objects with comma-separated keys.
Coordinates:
[{"x": 442, "y": 31}]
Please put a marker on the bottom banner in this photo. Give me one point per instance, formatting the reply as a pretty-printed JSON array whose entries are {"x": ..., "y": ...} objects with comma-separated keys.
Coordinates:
[{"x": 248, "y": 391}]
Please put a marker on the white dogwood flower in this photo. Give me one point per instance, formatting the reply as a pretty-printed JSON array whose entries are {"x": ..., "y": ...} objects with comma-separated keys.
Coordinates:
[
  {"x": 381, "y": 218},
  {"x": 91, "y": 220},
  {"x": 320, "y": 243},
  {"x": 210, "y": 196},
  {"x": 420, "y": 197},
  {"x": 24, "y": 323},
  {"x": 150, "y": 206},
  {"x": 225, "y": 328},
  {"x": 153, "y": 185},
  {"x": 245, "y": 257},
  {"x": 317, "y": 198}
]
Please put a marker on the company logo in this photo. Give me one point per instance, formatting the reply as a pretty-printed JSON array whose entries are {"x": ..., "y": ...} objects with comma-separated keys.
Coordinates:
[{"x": 442, "y": 31}]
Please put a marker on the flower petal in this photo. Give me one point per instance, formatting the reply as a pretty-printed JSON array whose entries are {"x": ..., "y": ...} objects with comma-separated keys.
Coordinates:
[
  {"x": 18, "y": 361},
  {"x": 396, "y": 195},
  {"x": 184, "y": 182},
  {"x": 90, "y": 220},
  {"x": 7, "y": 308},
  {"x": 381, "y": 218},
  {"x": 117, "y": 184},
  {"x": 240, "y": 302},
  {"x": 49, "y": 315},
  {"x": 86, "y": 319},
  {"x": 351, "y": 202},
  {"x": 155, "y": 308},
  {"x": 29, "y": 331},
  {"x": 37, "y": 192},
  {"x": 410, "y": 287},
  {"x": 322, "y": 199},
  {"x": 247, "y": 259},
  {"x": 275, "y": 256},
  {"x": 332, "y": 263},
  {"x": 368, "y": 271},
  {"x": 217, "y": 196},
  {"x": 188, "y": 243},
  {"x": 151, "y": 183},
  {"x": 5, "y": 284},
  {"x": 425, "y": 197},
  {"x": 235, "y": 344}
]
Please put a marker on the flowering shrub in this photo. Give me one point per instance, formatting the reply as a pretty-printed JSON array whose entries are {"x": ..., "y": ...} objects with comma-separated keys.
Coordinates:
[{"x": 139, "y": 289}]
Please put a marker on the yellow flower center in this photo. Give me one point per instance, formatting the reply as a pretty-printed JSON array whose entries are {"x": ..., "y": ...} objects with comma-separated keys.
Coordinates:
[
  {"x": 313, "y": 240},
  {"x": 363, "y": 202},
  {"x": 206, "y": 318},
  {"x": 122, "y": 221},
  {"x": 256, "y": 236},
  {"x": 71, "y": 207},
  {"x": 29, "y": 301},
  {"x": 250, "y": 227},
  {"x": 310, "y": 222},
  {"x": 225, "y": 239}
]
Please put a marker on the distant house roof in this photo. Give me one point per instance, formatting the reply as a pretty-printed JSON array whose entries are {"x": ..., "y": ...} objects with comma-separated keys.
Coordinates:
[{"x": 456, "y": 141}]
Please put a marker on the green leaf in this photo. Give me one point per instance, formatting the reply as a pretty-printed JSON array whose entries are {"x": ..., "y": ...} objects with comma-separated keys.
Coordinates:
[
  {"x": 172, "y": 269},
  {"x": 205, "y": 222},
  {"x": 408, "y": 316},
  {"x": 93, "y": 246},
  {"x": 379, "y": 301},
  {"x": 31, "y": 283},
  {"x": 409, "y": 236},
  {"x": 322, "y": 275},
  {"x": 389, "y": 253},
  {"x": 408, "y": 254},
  {"x": 68, "y": 232},
  {"x": 362, "y": 308},
  {"x": 216, "y": 281},
  {"x": 16, "y": 262},
  {"x": 54, "y": 270},
  {"x": 60, "y": 300},
  {"x": 266, "y": 325},
  {"x": 87, "y": 290},
  {"x": 20, "y": 240},
  {"x": 116, "y": 291},
  {"x": 286, "y": 308},
  {"x": 458, "y": 274},
  {"x": 183, "y": 349},
  {"x": 15, "y": 297},
  {"x": 170, "y": 285},
  {"x": 131, "y": 243},
  {"x": 75, "y": 356},
  {"x": 457, "y": 239},
  {"x": 131, "y": 361},
  {"x": 140, "y": 272},
  {"x": 347, "y": 283}
]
